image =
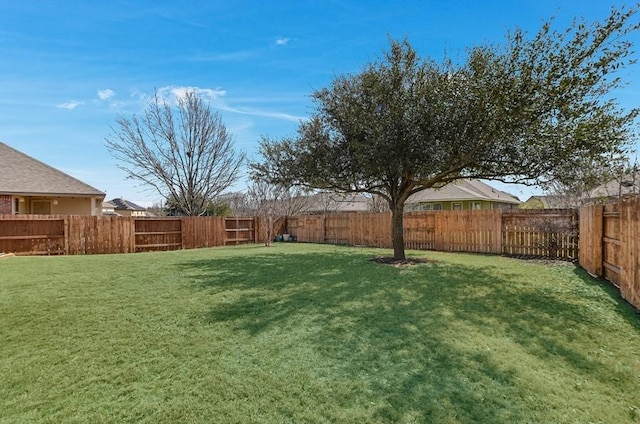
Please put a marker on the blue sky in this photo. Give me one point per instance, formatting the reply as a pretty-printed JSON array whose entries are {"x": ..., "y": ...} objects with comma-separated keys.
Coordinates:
[{"x": 68, "y": 68}]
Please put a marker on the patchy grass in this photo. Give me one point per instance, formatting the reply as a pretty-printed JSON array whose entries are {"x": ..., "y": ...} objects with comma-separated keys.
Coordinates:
[{"x": 308, "y": 333}]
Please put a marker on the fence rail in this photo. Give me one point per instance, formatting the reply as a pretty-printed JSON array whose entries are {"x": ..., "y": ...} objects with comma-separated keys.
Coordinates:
[
  {"x": 549, "y": 233},
  {"x": 83, "y": 235}
]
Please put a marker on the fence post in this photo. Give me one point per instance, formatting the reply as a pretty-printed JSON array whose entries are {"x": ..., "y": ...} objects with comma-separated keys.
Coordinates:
[
  {"x": 590, "y": 250},
  {"x": 497, "y": 230},
  {"x": 132, "y": 226},
  {"x": 65, "y": 234}
]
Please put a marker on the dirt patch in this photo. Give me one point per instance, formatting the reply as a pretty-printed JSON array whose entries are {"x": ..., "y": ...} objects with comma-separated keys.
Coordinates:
[
  {"x": 552, "y": 262},
  {"x": 544, "y": 261},
  {"x": 5, "y": 255},
  {"x": 386, "y": 260}
]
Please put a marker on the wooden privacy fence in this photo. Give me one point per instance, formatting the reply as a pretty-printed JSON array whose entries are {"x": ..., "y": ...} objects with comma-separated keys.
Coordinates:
[
  {"x": 610, "y": 245},
  {"x": 81, "y": 235},
  {"x": 551, "y": 233}
]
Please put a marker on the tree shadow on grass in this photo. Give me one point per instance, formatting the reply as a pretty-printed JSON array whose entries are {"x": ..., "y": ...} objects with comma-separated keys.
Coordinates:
[{"x": 420, "y": 341}]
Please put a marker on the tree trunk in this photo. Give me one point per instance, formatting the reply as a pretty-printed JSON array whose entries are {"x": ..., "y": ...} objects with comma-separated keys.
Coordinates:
[
  {"x": 268, "y": 231},
  {"x": 397, "y": 232}
]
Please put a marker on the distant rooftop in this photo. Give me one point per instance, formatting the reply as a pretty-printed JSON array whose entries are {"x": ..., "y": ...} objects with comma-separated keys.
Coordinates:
[
  {"x": 465, "y": 189},
  {"x": 337, "y": 202},
  {"x": 122, "y": 204}
]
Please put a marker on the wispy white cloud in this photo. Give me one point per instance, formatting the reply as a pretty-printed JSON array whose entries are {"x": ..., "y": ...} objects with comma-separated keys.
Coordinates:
[
  {"x": 217, "y": 98},
  {"x": 263, "y": 113},
  {"x": 171, "y": 94},
  {"x": 282, "y": 41},
  {"x": 70, "y": 105},
  {"x": 106, "y": 94}
]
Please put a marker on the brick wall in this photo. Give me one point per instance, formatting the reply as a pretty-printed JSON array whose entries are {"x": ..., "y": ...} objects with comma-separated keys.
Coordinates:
[{"x": 5, "y": 204}]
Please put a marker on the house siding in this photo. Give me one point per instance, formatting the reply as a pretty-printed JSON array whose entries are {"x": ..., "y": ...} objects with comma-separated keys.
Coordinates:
[
  {"x": 51, "y": 205},
  {"x": 73, "y": 206},
  {"x": 466, "y": 205}
]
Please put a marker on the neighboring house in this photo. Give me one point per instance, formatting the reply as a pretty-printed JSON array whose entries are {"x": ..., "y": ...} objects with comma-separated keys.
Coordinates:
[
  {"x": 126, "y": 208},
  {"x": 628, "y": 185},
  {"x": 466, "y": 194},
  {"x": 28, "y": 186},
  {"x": 547, "y": 202},
  {"x": 321, "y": 203},
  {"x": 109, "y": 209}
]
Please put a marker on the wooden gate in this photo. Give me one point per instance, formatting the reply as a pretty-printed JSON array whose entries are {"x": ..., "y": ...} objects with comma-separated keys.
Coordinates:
[
  {"x": 240, "y": 230},
  {"x": 158, "y": 234},
  {"x": 33, "y": 234},
  {"x": 609, "y": 245}
]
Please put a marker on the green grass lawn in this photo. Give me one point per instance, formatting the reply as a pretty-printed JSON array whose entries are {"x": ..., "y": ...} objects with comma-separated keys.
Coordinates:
[{"x": 301, "y": 333}]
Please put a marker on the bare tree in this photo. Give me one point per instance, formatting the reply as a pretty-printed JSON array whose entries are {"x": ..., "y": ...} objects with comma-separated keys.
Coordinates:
[
  {"x": 595, "y": 181},
  {"x": 271, "y": 202},
  {"x": 578, "y": 182},
  {"x": 377, "y": 203},
  {"x": 295, "y": 201},
  {"x": 266, "y": 200},
  {"x": 556, "y": 233},
  {"x": 238, "y": 202},
  {"x": 186, "y": 156},
  {"x": 157, "y": 209},
  {"x": 624, "y": 182}
]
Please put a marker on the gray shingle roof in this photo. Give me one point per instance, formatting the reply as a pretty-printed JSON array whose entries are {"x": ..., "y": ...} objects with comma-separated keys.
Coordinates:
[
  {"x": 122, "y": 204},
  {"x": 337, "y": 202},
  {"x": 468, "y": 189},
  {"x": 22, "y": 174},
  {"x": 627, "y": 184}
]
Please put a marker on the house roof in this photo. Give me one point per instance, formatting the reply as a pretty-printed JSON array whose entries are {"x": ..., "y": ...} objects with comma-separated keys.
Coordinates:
[
  {"x": 461, "y": 190},
  {"x": 22, "y": 174},
  {"x": 628, "y": 184},
  {"x": 337, "y": 202},
  {"x": 122, "y": 204},
  {"x": 548, "y": 201}
]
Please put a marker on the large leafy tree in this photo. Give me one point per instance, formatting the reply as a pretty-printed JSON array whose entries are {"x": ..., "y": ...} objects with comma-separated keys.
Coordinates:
[
  {"x": 517, "y": 113},
  {"x": 184, "y": 152}
]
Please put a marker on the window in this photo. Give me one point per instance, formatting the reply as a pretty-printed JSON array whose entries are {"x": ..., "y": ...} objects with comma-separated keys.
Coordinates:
[
  {"x": 456, "y": 206},
  {"x": 476, "y": 206},
  {"x": 41, "y": 207},
  {"x": 16, "y": 206},
  {"x": 500, "y": 206},
  {"x": 430, "y": 206}
]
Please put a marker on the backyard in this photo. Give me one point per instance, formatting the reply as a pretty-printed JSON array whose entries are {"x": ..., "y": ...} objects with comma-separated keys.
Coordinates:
[{"x": 312, "y": 333}]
